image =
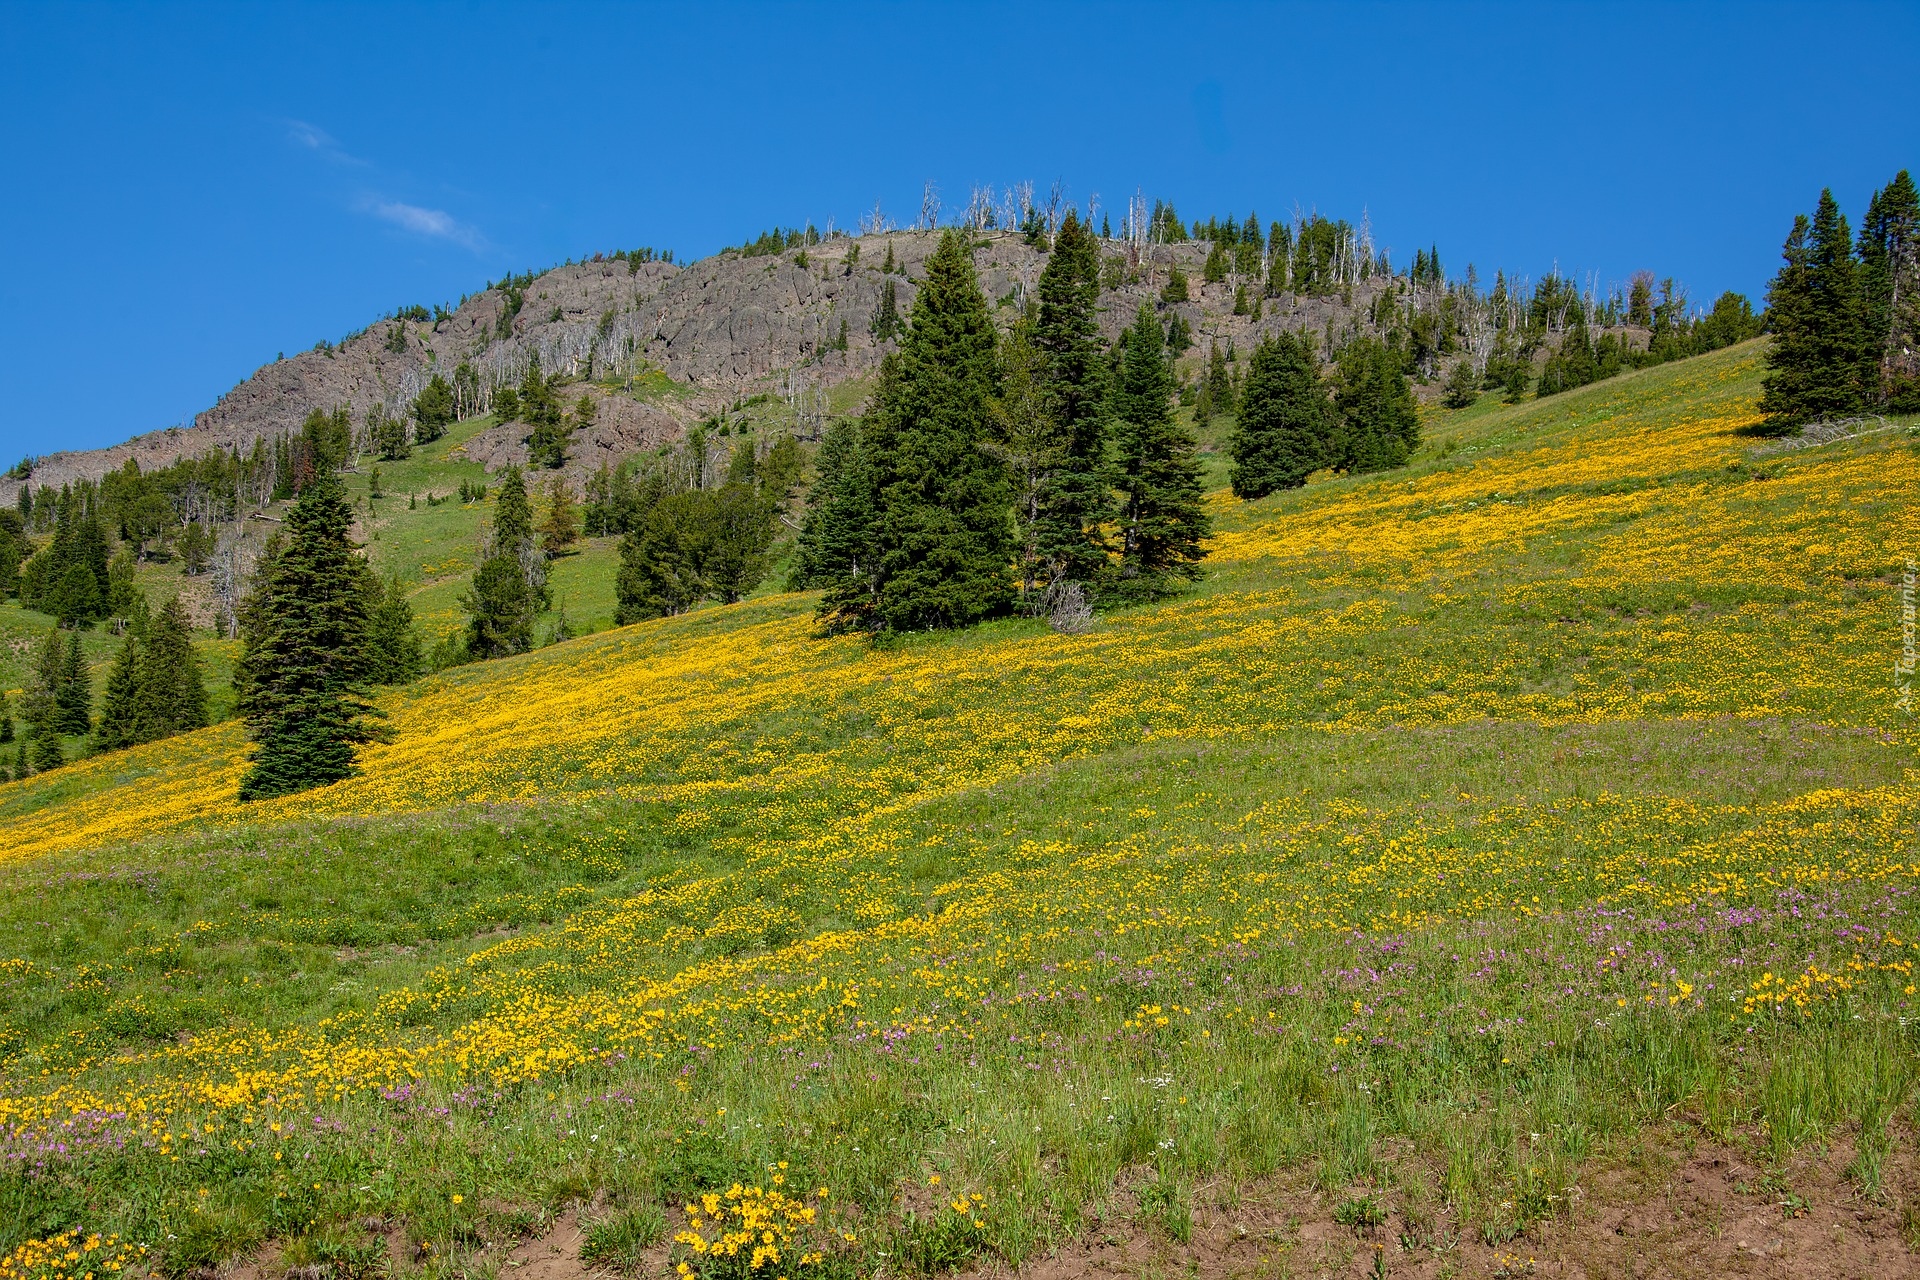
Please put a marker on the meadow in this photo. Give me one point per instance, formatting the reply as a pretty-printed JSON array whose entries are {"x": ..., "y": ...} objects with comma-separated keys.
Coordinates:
[{"x": 1465, "y": 824}]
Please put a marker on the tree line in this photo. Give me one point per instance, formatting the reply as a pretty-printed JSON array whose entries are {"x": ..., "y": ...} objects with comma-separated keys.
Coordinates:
[
  {"x": 988, "y": 468},
  {"x": 1845, "y": 314}
]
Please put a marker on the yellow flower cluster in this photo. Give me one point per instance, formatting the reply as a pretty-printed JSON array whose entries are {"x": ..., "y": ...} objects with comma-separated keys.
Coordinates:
[
  {"x": 749, "y": 1231},
  {"x": 70, "y": 1255},
  {"x": 817, "y": 920},
  {"x": 1802, "y": 993}
]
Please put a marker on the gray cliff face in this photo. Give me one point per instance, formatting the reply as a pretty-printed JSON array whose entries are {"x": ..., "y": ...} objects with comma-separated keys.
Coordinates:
[{"x": 723, "y": 328}]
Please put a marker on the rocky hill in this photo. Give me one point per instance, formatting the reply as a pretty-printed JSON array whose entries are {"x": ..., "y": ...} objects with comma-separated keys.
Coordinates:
[{"x": 663, "y": 345}]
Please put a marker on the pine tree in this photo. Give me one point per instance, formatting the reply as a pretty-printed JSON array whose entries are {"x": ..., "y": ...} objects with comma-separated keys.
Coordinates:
[
  {"x": 44, "y": 749},
  {"x": 393, "y": 647},
  {"x": 561, "y": 529},
  {"x": 1176, "y": 288},
  {"x": 1281, "y": 435},
  {"x": 885, "y": 325},
  {"x": 1072, "y": 503},
  {"x": 1890, "y": 289},
  {"x": 120, "y": 707},
  {"x": 943, "y": 530},
  {"x": 1822, "y": 362},
  {"x": 1219, "y": 387},
  {"x": 40, "y": 700},
  {"x": 1031, "y": 442},
  {"x": 1379, "y": 425},
  {"x": 174, "y": 697},
  {"x": 1462, "y": 388},
  {"x": 1162, "y": 519},
  {"x": 303, "y": 661},
  {"x": 432, "y": 410},
  {"x": 835, "y": 546},
  {"x": 20, "y": 766},
  {"x": 6, "y": 719},
  {"x": 943, "y": 537},
  {"x": 509, "y": 587},
  {"x": 663, "y": 559},
  {"x": 75, "y": 694}
]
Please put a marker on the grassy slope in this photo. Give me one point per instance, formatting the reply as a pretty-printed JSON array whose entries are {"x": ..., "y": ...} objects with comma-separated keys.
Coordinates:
[{"x": 1414, "y": 793}]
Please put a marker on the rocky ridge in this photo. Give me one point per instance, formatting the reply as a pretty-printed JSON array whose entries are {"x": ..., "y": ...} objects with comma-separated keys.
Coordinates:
[{"x": 720, "y": 329}]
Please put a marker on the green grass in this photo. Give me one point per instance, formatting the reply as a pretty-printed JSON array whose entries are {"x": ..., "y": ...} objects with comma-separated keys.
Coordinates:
[{"x": 1272, "y": 910}]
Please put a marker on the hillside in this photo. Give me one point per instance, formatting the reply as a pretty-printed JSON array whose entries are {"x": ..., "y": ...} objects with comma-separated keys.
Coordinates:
[
  {"x": 712, "y": 333},
  {"x": 1504, "y": 859}
]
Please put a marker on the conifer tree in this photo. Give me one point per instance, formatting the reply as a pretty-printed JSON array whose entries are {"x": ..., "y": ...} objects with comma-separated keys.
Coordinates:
[
  {"x": 433, "y": 410},
  {"x": 1379, "y": 425},
  {"x": 20, "y": 766},
  {"x": 943, "y": 537},
  {"x": 1219, "y": 387},
  {"x": 1162, "y": 519},
  {"x": 1462, "y": 388},
  {"x": 885, "y": 324},
  {"x": 1822, "y": 362},
  {"x": 837, "y": 535},
  {"x": 1281, "y": 435},
  {"x": 6, "y": 719},
  {"x": 75, "y": 694},
  {"x": 561, "y": 529},
  {"x": 175, "y": 697},
  {"x": 1072, "y": 501},
  {"x": 44, "y": 749},
  {"x": 1176, "y": 288},
  {"x": 663, "y": 559},
  {"x": 40, "y": 700},
  {"x": 120, "y": 706},
  {"x": 509, "y": 587},
  {"x": 303, "y": 660},
  {"x": 1030, "y": 440},
  {"x": 393, "y": 647},
  {"x": 1890, "y": 289}
]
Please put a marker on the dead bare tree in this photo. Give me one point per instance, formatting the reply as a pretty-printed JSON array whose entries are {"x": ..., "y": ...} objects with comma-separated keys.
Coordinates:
[
  {"x": 980, "y": 207},
  {"x": 929, "y": 207},
  {"x": 231, "y": 566}
]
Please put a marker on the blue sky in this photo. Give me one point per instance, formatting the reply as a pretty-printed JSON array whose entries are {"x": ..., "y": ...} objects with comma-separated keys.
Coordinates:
[{"x": 193, "y": 188}]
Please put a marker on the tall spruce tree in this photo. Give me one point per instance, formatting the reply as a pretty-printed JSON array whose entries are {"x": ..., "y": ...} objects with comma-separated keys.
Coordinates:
[
  {"x": 943, "y": 537},
  {"x": 40, "y": 700},
  {"x": 75, "y": 694},
  {"x": 393, "y": 647},
  {"x": 43, "y": 749},
  {"x": 1072, "y": 502},
  {"x": 1379, "y": 424},
  {"x": 174, "y": 697},
  {"x": 510, "y": 586},
  {"x": 1281, "y": 435},
  {"x": 120, "y": 706},
  {"x": 1162, "y": 518},
  {"x": 1822, "y": 362},
  {"x": 1890, "y": 289},
  {"x": 1219, "y": 387},
  {"x": 303, "y": 657},
  {"x": 664, "y": 558},
  {"x": 837, "y": 536}
]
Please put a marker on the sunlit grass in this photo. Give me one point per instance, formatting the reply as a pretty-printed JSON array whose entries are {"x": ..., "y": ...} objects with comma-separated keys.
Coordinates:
[{"x": 1536, "y": 789}]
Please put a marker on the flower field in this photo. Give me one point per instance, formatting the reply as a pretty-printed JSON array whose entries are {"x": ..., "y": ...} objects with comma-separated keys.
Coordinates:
[{"x": 1550, "y": 786}]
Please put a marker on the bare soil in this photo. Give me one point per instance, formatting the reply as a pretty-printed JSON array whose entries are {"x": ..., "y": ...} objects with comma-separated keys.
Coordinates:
[{"x": 1664, "y": 1207}]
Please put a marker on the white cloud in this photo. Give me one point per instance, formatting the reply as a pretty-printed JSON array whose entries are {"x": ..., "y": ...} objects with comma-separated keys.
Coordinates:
[
  {"x": 433, "y": 224},
  {"x": 436, "y": 224},
  {"x": 312, "y": 137}
]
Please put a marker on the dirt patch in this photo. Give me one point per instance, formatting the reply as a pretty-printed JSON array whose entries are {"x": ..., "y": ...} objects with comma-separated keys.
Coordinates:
[
  {"x": 1652, "y": 1213},
  {"x": 1661, "y": 1209},
  {"x": 553, "y": 1256}
]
